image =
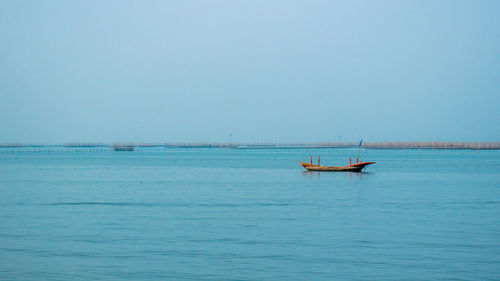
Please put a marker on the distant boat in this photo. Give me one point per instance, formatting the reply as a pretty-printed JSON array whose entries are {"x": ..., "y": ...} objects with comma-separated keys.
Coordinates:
[
  {"x": 124, "y": 148},
  {"x": 351, "y": 168}
]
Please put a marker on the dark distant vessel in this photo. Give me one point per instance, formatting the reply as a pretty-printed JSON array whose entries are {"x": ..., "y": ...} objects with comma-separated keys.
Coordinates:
[
  {"x": 124, "y": 147},
  {"x": 351, "y": 168}
]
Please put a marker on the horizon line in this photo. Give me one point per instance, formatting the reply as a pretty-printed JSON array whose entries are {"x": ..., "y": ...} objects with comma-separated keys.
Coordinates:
[{"x": 270, "y": 145}]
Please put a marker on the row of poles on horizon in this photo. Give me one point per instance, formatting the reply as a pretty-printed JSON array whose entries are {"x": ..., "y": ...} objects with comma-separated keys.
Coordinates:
[{"x": 340, "y": 140}]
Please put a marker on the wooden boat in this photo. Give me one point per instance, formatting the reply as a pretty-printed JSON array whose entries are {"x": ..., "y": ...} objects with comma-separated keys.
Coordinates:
[{"x": 351, "y": 168}]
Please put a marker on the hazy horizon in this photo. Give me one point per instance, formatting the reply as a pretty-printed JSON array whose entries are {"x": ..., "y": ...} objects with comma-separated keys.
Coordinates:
[{"x": 281, "y": 71}]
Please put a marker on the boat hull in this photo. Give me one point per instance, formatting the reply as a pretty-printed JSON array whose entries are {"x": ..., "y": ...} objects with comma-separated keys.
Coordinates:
[{"x": 351, "y": 168}]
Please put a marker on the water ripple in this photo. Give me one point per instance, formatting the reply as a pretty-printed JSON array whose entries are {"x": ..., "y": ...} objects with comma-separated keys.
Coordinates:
[{"x": 162, "y": 204}]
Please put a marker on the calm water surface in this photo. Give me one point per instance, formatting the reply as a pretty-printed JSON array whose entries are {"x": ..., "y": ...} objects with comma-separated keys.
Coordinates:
[{"x": 221, "y": 214}]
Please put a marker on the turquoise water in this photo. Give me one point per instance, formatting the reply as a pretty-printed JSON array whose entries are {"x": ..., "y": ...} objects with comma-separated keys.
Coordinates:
[{"x": 221, "y": 214}]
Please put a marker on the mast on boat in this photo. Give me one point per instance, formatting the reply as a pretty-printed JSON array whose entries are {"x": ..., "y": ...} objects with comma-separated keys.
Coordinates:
[{"x": 359, "y": 151}]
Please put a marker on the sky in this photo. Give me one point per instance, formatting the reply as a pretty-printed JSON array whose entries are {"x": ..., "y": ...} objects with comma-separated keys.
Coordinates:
[{"x": 262, "y": 71}]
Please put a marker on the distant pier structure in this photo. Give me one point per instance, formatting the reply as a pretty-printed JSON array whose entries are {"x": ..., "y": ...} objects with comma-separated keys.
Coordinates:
[
  {"x": 101, "y": 147},
  {"x": 123, "y": 147}
]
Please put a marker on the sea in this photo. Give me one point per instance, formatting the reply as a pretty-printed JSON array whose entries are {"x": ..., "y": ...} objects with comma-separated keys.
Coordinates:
[{"x": 248, "y": 214}]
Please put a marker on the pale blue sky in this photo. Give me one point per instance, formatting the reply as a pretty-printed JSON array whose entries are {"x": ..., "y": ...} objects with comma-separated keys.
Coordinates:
[{"x": 279, "y": 71}]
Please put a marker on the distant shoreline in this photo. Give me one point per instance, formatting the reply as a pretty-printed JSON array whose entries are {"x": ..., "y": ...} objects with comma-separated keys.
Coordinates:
[{"x": 367, "y": 145}]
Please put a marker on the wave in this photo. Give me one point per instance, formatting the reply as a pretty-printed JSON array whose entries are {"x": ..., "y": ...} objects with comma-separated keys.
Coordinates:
[{"x": 164, "y": 204}]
